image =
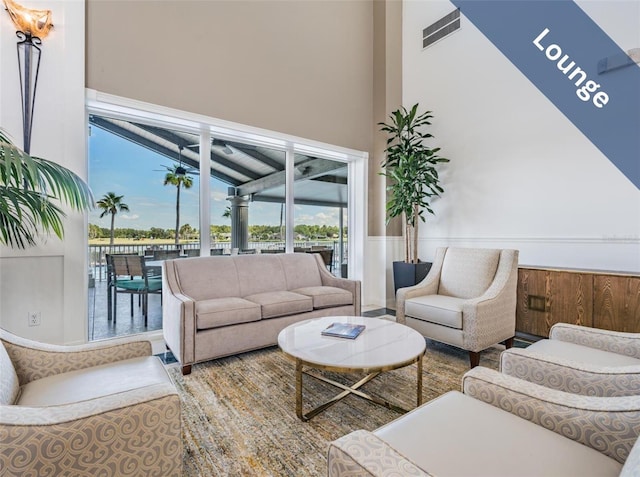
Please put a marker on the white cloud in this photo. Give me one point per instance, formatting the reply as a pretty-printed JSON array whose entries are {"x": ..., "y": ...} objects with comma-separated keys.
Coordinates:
[
  {"x": 129, "y": 217},
  {"x": 218, "y": 196}
]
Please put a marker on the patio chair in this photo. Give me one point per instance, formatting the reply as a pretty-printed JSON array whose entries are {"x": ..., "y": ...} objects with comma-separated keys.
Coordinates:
[
  {"x": 192, "y": 252},
  {"x": 166, "y": 254},
  {"x": 128, "y": 274},
  {"x": 216, "y": 251}
]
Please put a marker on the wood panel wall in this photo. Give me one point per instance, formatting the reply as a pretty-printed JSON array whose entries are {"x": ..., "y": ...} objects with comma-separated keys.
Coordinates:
[{"x": 599, "y": 299}]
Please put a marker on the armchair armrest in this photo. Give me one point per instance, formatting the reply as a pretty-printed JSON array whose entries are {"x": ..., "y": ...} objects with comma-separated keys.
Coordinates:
[
  {"x": 428, "y": 286},
  {"x": 627, "y": 344},
  {"x": 609, "y": 425},
  {"x": 143, "y": 425},
  {"x": 571, "y": 376},
  {"x": 491, "y": 317},
  {"x": 362, "y": 453},
  {"x": 34, "y": 360}
]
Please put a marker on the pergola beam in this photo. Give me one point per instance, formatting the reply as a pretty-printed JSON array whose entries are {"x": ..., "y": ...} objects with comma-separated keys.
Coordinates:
[{"x": 306, "y": 170}]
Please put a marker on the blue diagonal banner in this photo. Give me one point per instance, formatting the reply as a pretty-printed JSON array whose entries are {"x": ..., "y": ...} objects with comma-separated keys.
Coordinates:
[{"x": 575, "y": 64}]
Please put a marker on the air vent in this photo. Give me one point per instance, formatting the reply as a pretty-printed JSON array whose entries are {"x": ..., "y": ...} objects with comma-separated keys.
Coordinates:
[{"x": 443, "y": 27}]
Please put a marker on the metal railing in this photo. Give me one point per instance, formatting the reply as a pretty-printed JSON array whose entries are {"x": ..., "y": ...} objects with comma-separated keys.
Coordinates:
[{"x": 98, "y": 262}]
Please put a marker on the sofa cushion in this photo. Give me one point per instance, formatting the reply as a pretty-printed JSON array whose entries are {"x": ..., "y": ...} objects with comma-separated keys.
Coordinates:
[
  {"x": 281, "y": 303},
  {"x": 467, "y": 273},
  {"x": 259, "y": 274},
  {"x": 9, "y": 385},
  {"x": 490, "y": 442},
  {"x": 326, "y": 297},
  {"x": 301, "y": 270},
  {"x": 574, "y": 352},
  {"x": 225, "y": 311},
  {"x": 440, "y": 309},
  {"x": 94, "y": 382},
  {"x": 202, "y": 278}
]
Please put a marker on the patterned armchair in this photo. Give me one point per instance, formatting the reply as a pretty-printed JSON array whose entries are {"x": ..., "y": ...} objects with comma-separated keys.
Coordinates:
[
  {"x": 500, "y": 426},
  {"x": 580, "y": 360},
  {"x": 467, "y": 300},
  {"x": 98, "y": 409}
]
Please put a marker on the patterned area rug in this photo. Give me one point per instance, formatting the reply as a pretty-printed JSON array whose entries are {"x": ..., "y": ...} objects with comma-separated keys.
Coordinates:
[{"x": 239, "y": 412}]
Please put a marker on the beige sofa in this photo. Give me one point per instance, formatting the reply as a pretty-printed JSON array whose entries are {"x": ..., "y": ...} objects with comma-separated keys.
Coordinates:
[
  {"x": 219, "y": 306},
  {"x": 105, "y": 408},
  {"x": 500, "y": 426}
]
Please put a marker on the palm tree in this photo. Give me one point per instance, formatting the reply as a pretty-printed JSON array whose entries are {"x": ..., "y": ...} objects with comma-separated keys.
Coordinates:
[
  {"x": 112, "y": 204},
  {"x": 30, "y": 190},
  {"x": 178, "y": 179}
]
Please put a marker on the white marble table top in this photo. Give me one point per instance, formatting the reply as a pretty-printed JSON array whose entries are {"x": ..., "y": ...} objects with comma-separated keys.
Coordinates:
[{"x": 382, "y": 344}]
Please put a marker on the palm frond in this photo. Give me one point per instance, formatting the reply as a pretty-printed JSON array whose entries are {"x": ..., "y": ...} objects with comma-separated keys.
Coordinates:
[{"x": 31, "y": 189}]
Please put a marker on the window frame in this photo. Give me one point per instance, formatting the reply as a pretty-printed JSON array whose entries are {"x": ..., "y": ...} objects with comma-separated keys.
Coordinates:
[{"x": 206, "y": 127}]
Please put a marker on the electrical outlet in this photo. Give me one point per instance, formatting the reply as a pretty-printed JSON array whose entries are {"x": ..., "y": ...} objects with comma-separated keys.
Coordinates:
[{"x": 34, "y": 318}]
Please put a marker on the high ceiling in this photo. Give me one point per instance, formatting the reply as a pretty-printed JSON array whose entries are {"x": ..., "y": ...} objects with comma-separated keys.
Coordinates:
[{"x": 254, "y": 171}]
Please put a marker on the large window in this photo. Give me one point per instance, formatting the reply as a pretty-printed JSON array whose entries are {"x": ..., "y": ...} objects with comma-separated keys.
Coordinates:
[{"x": 163, "y": 178}]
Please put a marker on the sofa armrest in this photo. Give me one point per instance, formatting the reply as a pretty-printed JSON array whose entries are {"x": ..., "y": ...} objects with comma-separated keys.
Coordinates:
[
  {"x": 627, "y": 344},
  {"x": 34, "y": 360},
  {"x": 609, "y": 425},
  {"x": 571, "y": 376},
  {"x": 137, "y": 430},
  {"x": 178, "y": 317},
  {"x": 353, "y": 286},
  {"x": 363, "y": 454}
]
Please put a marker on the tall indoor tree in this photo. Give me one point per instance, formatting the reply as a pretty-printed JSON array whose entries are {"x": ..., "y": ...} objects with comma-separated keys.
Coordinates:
[
  {"x": 411, "y": 166},
  {"x": 32, "y": 193},
  {"x": 176, "y": 177},
  {"x": 112, "y": 204}
]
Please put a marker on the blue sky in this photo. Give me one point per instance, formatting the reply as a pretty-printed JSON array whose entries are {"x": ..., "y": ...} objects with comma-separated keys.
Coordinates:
[{"x": 119, "y": 166}]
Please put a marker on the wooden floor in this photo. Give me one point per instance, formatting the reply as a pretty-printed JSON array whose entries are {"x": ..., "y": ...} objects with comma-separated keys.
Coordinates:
[{"x": 101, "y": 328}]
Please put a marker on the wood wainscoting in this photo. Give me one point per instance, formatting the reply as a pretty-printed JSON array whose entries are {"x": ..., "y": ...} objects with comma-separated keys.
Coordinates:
[{"x": 601, "y": 299}]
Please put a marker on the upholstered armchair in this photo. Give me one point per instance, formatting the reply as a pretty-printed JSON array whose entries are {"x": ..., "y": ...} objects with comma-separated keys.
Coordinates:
[
  {"x": 580, "y": 360},
  {"x": 500, "y": 426},
  {"x": 98, "y": 409},
  {"x": 468, "y": 299}
]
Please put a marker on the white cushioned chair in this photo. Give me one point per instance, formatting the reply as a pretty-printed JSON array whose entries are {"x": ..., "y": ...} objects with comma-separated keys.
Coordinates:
[
  {"x": 99, "y": 409},
  {"x": 500, "y": 426},
  {"x": 468, "y": 299},
  {"x": 580, "y": 360}
]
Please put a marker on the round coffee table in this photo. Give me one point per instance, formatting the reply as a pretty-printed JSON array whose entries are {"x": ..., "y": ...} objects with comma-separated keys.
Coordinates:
[{"x": 382, "y": 346}]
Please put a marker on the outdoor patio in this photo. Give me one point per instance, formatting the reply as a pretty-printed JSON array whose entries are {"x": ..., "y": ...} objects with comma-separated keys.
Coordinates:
[{"x": 101, "y": 328}]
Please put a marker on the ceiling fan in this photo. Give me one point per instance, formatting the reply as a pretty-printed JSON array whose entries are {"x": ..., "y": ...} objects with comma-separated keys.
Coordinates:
[{"x": 181, "y": 170}]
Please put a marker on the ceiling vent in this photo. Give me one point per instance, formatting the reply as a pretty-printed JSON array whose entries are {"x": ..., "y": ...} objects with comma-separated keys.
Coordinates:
[{"x": 440, "y": 29}]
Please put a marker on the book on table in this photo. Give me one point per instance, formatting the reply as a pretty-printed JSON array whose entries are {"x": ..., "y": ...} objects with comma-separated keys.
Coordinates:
[{"x": 343, "y": 330}]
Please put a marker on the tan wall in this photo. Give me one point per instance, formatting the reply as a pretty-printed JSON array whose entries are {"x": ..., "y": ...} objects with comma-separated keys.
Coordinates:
[
  {"x": 387, "y": 97},
  {"x": 298, "y": 67}
]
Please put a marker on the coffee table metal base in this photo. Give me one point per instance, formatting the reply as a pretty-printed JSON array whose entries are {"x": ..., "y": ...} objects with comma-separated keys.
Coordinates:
[{"x": 353, "y": 389}]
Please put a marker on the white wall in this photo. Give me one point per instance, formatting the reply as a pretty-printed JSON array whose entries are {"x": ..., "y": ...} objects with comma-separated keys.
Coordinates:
[
  {"x": 521, "y": 175},
  {"x": 52, "y": 277}
]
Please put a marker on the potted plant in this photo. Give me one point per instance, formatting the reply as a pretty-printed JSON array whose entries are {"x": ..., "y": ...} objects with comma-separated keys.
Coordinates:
[
  {"x": 411, "y": 167},
  {"x": 32, "y": 191}
]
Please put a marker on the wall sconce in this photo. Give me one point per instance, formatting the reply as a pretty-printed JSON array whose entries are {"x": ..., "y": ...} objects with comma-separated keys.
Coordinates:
[{"x": 33, "y": 25}]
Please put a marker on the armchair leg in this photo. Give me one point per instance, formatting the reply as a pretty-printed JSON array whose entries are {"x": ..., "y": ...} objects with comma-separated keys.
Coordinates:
[
  {"x": 186, "y": 369},
  {"x": 508, "y": 343},
  {"x": 474, "y": 358}
]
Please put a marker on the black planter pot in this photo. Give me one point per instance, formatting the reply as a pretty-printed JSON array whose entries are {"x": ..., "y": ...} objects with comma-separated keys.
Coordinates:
[{"x": 408, "y": 274}]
